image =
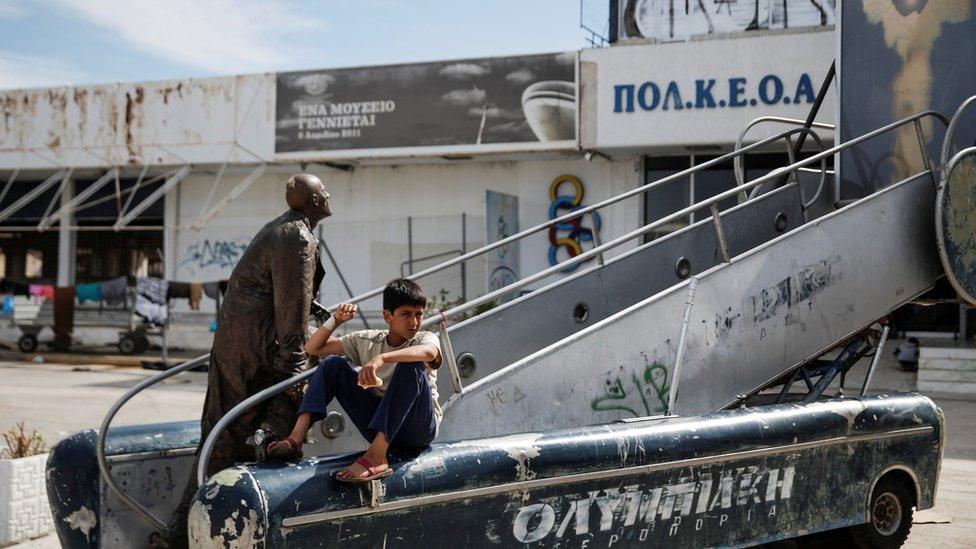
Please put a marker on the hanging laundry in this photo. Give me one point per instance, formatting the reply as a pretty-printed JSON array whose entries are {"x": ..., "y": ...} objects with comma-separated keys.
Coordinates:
[
  {"x": 211, "y": 289},
  {"x": 114, "y": 290},
  {"x": 89, "y": 292},
  {"x": 41, "y": 290},
  {"x": 178, "y": 290},
  {"x": 196, "y": 293},
  {"x": 151, "y": 299},
  {"x": 64, "y": 314}
]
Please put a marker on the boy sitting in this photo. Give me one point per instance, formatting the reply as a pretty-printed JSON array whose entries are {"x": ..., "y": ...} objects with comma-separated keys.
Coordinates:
[{"x": 392, "y": 399}]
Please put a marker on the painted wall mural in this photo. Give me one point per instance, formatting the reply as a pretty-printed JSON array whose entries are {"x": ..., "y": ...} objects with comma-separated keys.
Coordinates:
[
  {"x": 909, "y": 54},
  {"x": 669, "y": 20},
  {"x": 570, "y": 234}
]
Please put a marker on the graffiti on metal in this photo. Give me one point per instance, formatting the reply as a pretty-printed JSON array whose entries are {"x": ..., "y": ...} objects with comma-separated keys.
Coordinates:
[
  {"x": 697, "y": 502},
  {"x": 500, "y": 395},
  {"x": 650, "y": 387},
  {"x": 794, "y": 289}
]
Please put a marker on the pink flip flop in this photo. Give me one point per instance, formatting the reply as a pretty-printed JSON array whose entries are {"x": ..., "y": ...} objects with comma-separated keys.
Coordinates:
[{"x": 370, "y": 468}]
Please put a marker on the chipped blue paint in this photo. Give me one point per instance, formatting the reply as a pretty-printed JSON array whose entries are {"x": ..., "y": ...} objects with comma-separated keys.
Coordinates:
[
  {"x": 74, "y": 483},
  {"x": 731, "y": 500}
]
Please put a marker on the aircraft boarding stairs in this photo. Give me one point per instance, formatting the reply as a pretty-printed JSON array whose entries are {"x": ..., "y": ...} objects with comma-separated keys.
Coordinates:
[
  {"x": 733, "y": 326},
  {"x": 719, "y": 309},
  {"x": 490, "y": 341}
]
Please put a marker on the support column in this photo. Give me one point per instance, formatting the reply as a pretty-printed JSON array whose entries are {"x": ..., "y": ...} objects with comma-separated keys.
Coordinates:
[
  {"x": 67, "y": 241},
  {"x": 171, "y": 207}
]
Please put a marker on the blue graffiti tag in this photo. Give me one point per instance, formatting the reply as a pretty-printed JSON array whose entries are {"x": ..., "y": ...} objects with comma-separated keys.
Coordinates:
[{"x": 222, "y": 253}]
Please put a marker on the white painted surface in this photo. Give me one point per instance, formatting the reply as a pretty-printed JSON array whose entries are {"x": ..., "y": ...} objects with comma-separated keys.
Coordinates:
[
  {"x": 786, "y": 55},
  {"x": 208, "y": 120},
  {"x": 24, "y": 510},
  {"x": 947, "y": 370},
  {"x": 368, "y": 230},
  {"x": 949, "y": 353}
]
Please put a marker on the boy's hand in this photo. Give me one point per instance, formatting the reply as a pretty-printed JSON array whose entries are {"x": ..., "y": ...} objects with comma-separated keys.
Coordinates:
[
  {"x": 367, "y": 375},
  {"x": 344, "y": 312}
]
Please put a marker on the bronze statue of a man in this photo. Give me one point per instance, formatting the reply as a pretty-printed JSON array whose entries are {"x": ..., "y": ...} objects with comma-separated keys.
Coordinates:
[
  {"x": 261, "y": 331},
  {"x": 262, "y": 323}
]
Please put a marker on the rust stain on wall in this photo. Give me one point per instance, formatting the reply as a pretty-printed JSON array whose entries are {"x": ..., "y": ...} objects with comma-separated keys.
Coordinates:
[{"x": 133, "y": 121}]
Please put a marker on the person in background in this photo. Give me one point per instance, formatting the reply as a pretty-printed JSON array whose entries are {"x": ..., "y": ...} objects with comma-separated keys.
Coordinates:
[{"x": 907, "y": 354}]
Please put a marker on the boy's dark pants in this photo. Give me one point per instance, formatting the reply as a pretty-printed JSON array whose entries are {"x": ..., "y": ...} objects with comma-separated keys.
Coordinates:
[{"x": 405, "y": 413}]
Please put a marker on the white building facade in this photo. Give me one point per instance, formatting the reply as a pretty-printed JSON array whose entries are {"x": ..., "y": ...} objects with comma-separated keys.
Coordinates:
[{"x": 423, "y": 161}]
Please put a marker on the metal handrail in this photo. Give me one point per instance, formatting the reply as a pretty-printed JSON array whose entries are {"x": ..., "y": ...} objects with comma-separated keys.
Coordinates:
[
  {"x": 792, "y": 158},
  {"x": 737, "y": 167},
  {"x": 958, "y": 157},
  {"x": 683, "y": 212},
  {"x": 940, "y": 236},
  {"x": 579, "y": 213},
  {"x": 243, "y": 406},
  {"x": 103, "y": 432},
  {"x": 425, "y": 258},
  {"x": 950, "y": 136},
  {"x": 234, "y": 412},
  {"x": 739, "y": 172}
]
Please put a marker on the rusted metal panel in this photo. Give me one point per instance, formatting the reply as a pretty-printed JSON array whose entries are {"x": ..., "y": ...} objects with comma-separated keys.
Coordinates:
[
  {"x": 956, "y": 225},
  {"x": 209, "y": 120},
  {"x": 726, "y": 478}
]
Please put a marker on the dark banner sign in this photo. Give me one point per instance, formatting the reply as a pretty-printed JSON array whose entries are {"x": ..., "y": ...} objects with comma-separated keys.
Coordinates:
[{"x": 465, "y": 102}]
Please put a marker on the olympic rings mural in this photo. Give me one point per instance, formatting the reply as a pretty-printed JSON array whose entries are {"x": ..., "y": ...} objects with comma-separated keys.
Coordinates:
[{"x": 568, "y": 234}]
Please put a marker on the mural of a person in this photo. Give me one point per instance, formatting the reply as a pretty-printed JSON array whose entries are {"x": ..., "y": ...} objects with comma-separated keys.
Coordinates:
[{"x": 911, "y": 28}]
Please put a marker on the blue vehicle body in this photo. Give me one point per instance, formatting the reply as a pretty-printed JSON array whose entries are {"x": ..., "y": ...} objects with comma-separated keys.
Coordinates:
[{"x": 728, "y": 478}]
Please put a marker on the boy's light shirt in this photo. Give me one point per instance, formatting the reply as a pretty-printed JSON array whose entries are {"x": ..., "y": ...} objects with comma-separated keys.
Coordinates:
[{"x": 362, "y": 345}]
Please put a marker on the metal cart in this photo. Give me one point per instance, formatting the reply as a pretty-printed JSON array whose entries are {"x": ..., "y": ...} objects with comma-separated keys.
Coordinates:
[{"x": 31, "y": 315}]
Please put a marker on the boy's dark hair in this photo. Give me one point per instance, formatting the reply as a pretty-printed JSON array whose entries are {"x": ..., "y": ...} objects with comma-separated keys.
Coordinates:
[{"x": 400, "y": 292}]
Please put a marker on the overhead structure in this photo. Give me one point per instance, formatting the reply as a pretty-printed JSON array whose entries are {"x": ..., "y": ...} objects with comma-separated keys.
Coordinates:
[
  {"x": 61, "y": 176},
  {"x": 126, "y": 216},
  {"x": 72, "y": 205}
]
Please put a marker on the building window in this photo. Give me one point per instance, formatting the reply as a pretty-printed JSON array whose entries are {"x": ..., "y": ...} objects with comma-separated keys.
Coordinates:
[
  {"x": 686, "y": 191},
  {"x": 34, "y": 264},
  {"x": 667, "y": 198}
]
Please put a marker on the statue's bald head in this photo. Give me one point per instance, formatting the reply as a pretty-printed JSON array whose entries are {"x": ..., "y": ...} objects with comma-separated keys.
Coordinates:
[{"x": 306, "y": 193}]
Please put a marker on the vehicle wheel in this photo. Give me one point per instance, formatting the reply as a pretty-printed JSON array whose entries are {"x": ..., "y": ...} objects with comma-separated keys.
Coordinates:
[
  {"x": 27, "y": 343},
  {"x": 890, "y": 513},
  {"x": 127, "y": 344}
]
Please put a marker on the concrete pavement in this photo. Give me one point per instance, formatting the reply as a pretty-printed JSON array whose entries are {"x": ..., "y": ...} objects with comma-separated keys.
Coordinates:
[{"x": 61, "y": 399}]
